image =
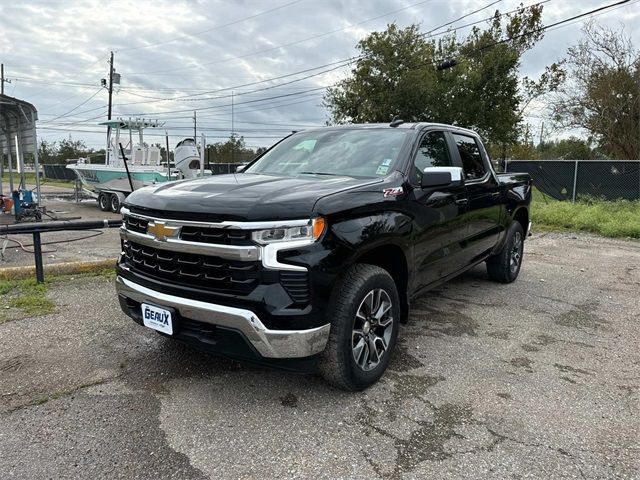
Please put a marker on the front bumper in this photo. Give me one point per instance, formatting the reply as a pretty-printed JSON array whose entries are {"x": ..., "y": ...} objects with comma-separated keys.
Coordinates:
[{"x": 276, "y": 344}]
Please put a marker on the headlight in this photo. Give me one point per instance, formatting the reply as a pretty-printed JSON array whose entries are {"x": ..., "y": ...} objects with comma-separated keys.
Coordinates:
[{"x": 311, "y": 232}]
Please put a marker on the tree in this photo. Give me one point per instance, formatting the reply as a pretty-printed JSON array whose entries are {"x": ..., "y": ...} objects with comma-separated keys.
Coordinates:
[
  {"x": 601, "y": 93},
  {"x": 69, "y": 149},
  {"x": 47, "y": 152},
  {"x": 234, "y": 150},
  {"x": 572, "y": 148},
  {"x": 396, "y": 75}
]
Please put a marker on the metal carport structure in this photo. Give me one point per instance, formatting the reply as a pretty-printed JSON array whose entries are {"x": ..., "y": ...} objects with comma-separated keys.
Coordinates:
[{"x": 18, "y": 138}]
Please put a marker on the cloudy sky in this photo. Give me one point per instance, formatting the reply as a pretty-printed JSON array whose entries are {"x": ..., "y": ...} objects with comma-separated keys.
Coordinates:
[{"x": 176, "y": 56}]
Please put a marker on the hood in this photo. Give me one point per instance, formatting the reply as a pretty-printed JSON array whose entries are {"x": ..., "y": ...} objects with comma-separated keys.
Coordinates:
[{"x": 241, "y": 197}]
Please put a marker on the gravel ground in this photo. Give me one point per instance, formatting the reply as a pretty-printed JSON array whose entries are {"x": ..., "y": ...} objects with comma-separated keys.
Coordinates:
[{"x": 537, "y": 379}]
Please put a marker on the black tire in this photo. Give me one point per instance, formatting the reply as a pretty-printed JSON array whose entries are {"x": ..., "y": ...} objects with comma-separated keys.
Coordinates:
[
  {"x": 104, "y": 202},
  {"x": 114, "y": 203},
  {"x": 350, "y": 296},
  {"x": 505, "y": 266}
]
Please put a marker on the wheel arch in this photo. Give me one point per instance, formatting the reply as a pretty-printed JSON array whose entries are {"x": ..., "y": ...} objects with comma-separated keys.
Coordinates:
[
  {"x": 392, "y": 258},
  {"x": 521, "y": 215}
]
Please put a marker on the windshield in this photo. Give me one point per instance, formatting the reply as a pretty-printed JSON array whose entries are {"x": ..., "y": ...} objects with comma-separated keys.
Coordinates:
[{"x": 354, "y": 152}]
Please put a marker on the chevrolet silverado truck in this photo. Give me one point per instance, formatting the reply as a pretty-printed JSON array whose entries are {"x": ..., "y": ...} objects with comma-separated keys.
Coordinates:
[{"x": 310, "y": 257}]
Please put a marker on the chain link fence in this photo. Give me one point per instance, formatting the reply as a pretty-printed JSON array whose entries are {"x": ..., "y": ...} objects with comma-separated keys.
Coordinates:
[{"x": 572, "y": 179}]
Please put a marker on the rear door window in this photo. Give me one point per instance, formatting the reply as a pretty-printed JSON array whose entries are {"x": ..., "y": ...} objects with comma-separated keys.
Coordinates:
[{"x": 472, "y": 162}]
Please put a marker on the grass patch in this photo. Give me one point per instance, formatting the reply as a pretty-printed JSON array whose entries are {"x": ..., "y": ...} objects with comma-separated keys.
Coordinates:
[
  {"x": 619, "y": 219},
  {"x": 30, "y": 179},
  {"x": 42, "y": 399},
  {"x": 26, "y": 298}
]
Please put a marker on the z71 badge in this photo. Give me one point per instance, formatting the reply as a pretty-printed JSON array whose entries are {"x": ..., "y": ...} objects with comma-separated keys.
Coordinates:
[{"x": 392, "y": 192}]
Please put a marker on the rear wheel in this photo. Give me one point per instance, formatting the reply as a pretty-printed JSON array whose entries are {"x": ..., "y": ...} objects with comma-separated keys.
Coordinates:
[
  {"x": 104, "y": 201},
  {"x": 505, "y": 266},
  {"x": 365, "y": 314},
  {"x": 114, "y": 203}
]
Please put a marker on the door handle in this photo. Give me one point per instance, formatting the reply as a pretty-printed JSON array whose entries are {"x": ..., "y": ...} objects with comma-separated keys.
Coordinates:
[
  {"x": 462, "y": 201},
  {"x": 495, "y": 194}
]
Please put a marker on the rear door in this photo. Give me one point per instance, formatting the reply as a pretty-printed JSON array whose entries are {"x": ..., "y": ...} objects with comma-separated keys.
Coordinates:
[
  {"x": 483, "y": 192},
  {"x": 439, "y": 228}
]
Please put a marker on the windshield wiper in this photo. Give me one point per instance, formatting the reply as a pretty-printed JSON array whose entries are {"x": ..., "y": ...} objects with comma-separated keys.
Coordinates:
[{"x": 318, "y": 173}]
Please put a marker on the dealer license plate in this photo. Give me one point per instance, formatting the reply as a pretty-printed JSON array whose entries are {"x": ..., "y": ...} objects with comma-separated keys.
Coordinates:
[{"x": 157, "y": 318}]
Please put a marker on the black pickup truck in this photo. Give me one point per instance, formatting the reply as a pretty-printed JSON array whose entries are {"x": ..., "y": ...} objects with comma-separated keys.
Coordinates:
[{"x": 312, "y": 254}]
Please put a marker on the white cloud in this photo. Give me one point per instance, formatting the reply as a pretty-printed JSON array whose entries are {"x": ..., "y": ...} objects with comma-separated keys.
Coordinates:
[{"x": 57, "y": 51}]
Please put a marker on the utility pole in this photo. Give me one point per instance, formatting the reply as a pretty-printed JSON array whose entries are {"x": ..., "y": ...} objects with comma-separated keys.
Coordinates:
[
  {"x": 110, "y": 85},
  {"x": 541, "y": 132},
  {"x": 232, "y": 115},
  {"x": 2, "y": 79},
  {"x": 195, "y": 127}
]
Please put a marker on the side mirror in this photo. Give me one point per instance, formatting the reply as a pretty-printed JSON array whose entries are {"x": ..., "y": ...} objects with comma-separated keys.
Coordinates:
[
  {"x": 240, "y": 168},
  {"x": 442, "y": 177}
]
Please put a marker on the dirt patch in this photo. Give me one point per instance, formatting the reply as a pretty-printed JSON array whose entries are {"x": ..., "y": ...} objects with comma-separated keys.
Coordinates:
[
  {"x": 451, "y": 323},
  {"x": 522, "y": 362},
  {"x": 581, "y": 316},
  {"x": 289, "y": 400}
]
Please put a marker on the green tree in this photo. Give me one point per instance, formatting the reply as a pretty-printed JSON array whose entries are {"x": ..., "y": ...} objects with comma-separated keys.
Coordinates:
[
  {"x": 572, "y": 148},
  {"x": 234, "y": 150},
  {"x": 601, "y": 93},
  {"x": 47, "y": 152},
  {"x": 69, "y": 149},
  {"x": 396, "y": 75}
]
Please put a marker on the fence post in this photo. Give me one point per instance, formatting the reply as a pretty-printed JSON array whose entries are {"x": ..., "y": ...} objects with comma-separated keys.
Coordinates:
[
  {"x": 37, "y": 253},
  {"x": 575, "y": 182}
]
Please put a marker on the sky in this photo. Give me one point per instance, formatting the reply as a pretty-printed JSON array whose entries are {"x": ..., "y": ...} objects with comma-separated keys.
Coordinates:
[{"x": 175, "y": 56}]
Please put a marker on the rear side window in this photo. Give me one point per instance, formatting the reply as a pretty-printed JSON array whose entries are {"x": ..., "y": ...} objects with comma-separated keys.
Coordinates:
[
  {"x": 432, "y": 152},
  {"x": 472, "y": 162}
]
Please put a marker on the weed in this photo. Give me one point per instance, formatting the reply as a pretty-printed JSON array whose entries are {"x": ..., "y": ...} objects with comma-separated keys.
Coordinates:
[{"x": 617, "y": 219}]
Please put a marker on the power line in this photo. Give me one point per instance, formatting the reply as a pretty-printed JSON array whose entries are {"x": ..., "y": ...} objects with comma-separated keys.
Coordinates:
[
  {"x": 561, "y": 22},
  {"x": 217, "y": 27},
  {"x": 187, "y": 98},
  {"x": 286, "y": 83},
  {"x": 482, "y": 20},
  {"x": 284, "y": 45},
  {"x": 76, "y": 107},
  {"x": 463, "y": 17},
  {"x": 100, "y": 132},
  {"x": 339, "y": 63}
]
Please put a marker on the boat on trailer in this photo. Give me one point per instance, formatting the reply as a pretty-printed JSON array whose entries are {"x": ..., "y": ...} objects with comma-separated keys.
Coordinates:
[{"x": 110, "y": 182}]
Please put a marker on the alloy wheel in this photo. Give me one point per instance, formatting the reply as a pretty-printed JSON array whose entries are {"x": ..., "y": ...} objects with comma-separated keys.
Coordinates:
[
  {"x": 516, "y": 252},
  {"x": 372, "y": 329}
]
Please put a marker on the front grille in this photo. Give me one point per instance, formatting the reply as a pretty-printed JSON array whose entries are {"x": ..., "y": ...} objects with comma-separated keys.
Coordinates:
[
  {"x": 135, "y": 224},
  {"x": 220, "y": 236},
  {"x": 200, "y": 271},
  {"x": 297, "y": 286}
]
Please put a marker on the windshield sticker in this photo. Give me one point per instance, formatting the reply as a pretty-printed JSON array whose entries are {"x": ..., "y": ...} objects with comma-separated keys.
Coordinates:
[
  {"x": 392, "y": 192},
  {"x": 382, "y": 170},
  {"x": 386, "y": 162}
]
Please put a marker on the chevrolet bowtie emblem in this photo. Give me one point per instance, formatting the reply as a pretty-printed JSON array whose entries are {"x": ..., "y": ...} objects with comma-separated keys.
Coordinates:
[{"x": 161, "y": 231}]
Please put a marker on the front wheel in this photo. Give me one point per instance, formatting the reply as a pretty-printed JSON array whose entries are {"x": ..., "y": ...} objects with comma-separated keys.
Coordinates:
[
  {"x": 505, "y": 266},
  {"x": 365, "y": 314}
]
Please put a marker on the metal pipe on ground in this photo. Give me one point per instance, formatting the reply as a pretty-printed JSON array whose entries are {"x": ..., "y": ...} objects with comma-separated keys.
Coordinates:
[{"x": 36, "y": 229}]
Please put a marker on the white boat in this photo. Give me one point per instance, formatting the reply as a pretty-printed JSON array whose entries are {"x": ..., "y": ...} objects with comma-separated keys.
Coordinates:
[{"x": 110, "y": 182}]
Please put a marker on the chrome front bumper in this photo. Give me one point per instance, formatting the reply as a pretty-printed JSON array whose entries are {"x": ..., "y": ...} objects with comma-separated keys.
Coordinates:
[{"x": 268, "y": 343}]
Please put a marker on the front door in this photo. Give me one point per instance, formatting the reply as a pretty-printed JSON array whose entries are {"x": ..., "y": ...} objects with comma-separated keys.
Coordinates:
[{"x": 439, "y": 226}]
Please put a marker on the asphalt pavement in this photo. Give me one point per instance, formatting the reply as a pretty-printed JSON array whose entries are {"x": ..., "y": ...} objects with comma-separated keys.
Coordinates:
[{"x": 537, "y": 379}]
